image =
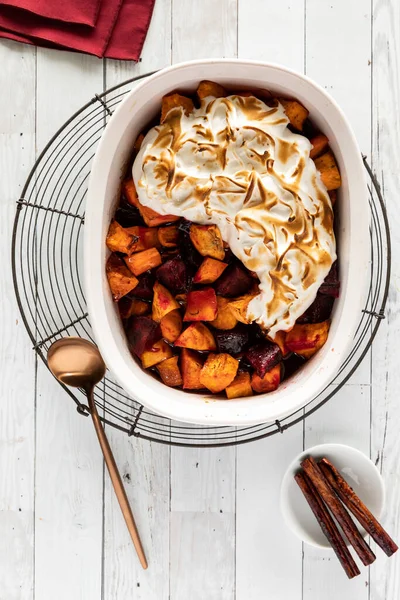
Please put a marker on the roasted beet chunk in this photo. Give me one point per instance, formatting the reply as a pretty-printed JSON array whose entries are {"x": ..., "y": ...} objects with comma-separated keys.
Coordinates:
[
  {"x": 174, "y": 275},
  {"x": 188, "y": 251},
  {"x": 234, "y": 281},
  {"x": 144, "y": 289},
  {"x": 127, "y": 215},
  {"x": 320, "y": 310},
  {"x": 331, "y": 284},
  {"x": 142, "y": 333},
  {"x": 232, "y": 341},
  {"x": 263, "y": 357},
  {"x": 292, "y": 364}
]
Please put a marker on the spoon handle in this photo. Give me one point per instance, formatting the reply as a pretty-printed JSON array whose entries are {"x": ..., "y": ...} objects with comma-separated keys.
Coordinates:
[{"x": 116, "y": 481}]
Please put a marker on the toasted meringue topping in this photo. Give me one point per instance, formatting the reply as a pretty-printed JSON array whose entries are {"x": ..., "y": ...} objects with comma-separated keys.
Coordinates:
[{"x": 235, "y": 163}]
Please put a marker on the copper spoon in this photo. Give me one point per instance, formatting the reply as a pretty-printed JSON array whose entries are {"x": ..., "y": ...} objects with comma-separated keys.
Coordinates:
[{"x": 78, "y": 363}]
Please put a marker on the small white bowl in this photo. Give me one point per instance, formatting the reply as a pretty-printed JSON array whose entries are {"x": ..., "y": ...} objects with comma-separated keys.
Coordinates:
[{"x": 359, "y": 472}]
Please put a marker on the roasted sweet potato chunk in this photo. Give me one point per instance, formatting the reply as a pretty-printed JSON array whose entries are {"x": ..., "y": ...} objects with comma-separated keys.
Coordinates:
[
  {"x": 269, "y": 382},
  {"x": 218, "y": 372},
  {"x": 295, "y": 112},
  {"x": 210, "y": 88},
  {"x": 240, "y": 386},
  {"x": 120, "y": 279},
  {"x": 225, "y": 317},
  {"x": 191, "y": 365},
  {"x": 145, "y": 238},
  {"x": 142, "y": 333},
  {"x": 149, "y": 216},
  {"x": 209, "y": 270},
  {"x": 279, "y": 340},
  {"x": 239, "y": 307},
  {"x": 306, "y": 339},
  {"x": 330, "y": 176},
  {"x": 196, "y": 337},
  {"x": 143, "y": 261},
  {"x": 120, "y": 239},
  {"x": 320, "y": 144},
  {"x": 171, "y": 325},
  {"x": 175, "y": 101},
  {"x": 169, "y": 371},
  {"x": 207, "y": 240},
  {"x": 168, "y": 236},
  {"x": 163, "y": 302},
  {"x": 158, "y": 352},
  {"x": 201, "y": 305}
]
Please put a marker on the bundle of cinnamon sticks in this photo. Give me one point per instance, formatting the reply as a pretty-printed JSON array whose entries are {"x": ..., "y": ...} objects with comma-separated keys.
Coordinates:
[{"x": 328, "y": 495}]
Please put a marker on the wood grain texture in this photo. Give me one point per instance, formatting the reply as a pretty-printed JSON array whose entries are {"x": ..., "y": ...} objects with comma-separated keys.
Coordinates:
[
  {"x": 385, "y": 440},
  {"x": 17, "y": 395},
  {"x": 69, "y": 472}
]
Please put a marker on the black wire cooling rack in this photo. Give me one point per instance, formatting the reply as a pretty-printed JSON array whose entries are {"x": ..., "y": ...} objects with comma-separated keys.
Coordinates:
[{"x": 47, "y": 274}]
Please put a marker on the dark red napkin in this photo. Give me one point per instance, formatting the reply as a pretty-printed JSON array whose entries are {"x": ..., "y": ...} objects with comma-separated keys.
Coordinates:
[
  {"x": 71, "y": 11},
  {"x": 119, "y": 31}
]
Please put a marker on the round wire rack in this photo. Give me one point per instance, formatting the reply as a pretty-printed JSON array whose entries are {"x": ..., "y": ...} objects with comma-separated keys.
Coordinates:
[{"x": 47, "y": 275}]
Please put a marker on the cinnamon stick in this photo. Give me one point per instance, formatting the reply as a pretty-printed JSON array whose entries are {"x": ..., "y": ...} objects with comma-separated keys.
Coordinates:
[
  {"x": 357, "y": 507},
  {"x": 327, "y": 525},
  {"x": 350, "y": 531}
]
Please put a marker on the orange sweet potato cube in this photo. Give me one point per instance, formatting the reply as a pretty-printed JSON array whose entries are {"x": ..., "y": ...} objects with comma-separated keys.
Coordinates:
[
  {"x": 143, "y": 261},
  {"x": 163, "y": 302},
  {"x": 239, "y": 306},
  {"x": 149, "y": 216},
  {"x": 201, "y": 305},
  {"x": 210, "y": 88},
  {"x": 171, "y": 325},
  {"x": 305, "y": 339},
  {"x": 319, "y": 145},
  {"x": 280, "y": 340},
  {"x": 196, "y": 337},
  {"x": 207, "y": 240},
  {"x": 209, "y": 270},
  {"x": 120, "y": 239},
  {"x": 295, "y": 112},
  {"x": 175, "y": 101},
  {"x": 330, "y": 176},
  {"x": 145, "y": 238},
  {"x": 120, "y": 279},
  {"x": 269, "y": 382},
  {"x": 139, "y": 307},
  {"x": 240, "y": 386},
  {"x": 225, "y": 317},
  {"x": 218, "y": 372},
  {"x": 191, "y": 365},
  {"x": 158, "y": 352},
  {"x": 168, "y": 236},
  {"x": 169, "y": 371}
]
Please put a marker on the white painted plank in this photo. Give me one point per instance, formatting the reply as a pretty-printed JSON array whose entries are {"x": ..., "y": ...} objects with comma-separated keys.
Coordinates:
[
  {"x": 385, "y": 441},
  {"x": 17, "y": 396},
  {"x": 69, "y": 467},
  {"x": 268, "y": 556},
  {"x": 146, "y": 463},
  {"x": 202, "y": 534},
  {"x": 343, "y": 420}
]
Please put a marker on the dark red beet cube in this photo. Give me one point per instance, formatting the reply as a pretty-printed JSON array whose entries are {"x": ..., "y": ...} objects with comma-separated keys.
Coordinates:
[
  {"x": 234, "y": 281},
  {"x": 142, "y": 333},
  {"x": 192, "y": 257},
  {"x": 127, "y": 215},
  {"x": 174, "y": 275},
  {"x": 232, "y": 341},
  {"x": 144, "y": 289},
  {"x": 263, "y": 357},
  {"x": 319, "y": 311},
  {"x": 331, "y": 284}
]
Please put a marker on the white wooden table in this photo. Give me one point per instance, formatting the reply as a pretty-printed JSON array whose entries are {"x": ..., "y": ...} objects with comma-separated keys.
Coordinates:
[{"x": 209, "y": 519}]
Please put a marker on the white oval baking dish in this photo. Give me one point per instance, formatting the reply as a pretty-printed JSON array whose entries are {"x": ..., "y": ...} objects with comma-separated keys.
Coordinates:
[{"x": 108, "y": 169}]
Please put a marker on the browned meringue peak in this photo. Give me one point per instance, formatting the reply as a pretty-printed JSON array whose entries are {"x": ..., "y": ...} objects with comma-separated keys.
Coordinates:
[{"x": 235, "y": 163}]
